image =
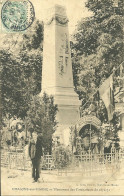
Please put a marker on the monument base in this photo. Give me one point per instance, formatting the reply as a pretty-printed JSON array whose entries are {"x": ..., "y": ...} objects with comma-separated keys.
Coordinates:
[
  {"x": 68, "y": 111},
  {"x": 63, "y": 133},
  {"x": 68, "y": 114}
]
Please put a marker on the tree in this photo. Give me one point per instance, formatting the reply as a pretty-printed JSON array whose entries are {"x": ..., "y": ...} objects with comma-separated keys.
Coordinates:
[
  {"x": 97, "y": 48},
  {"x": 21, "y": 62},
  {"x": 97, "y": 45},
  {"x": 41, "y": 116}
]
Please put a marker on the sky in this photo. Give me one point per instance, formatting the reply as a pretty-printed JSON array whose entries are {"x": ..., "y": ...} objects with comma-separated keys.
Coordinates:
[{"x": 75, "y": 10}]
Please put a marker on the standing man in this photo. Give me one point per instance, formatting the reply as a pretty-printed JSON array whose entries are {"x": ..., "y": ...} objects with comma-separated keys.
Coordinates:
[{"x": 35, "y": 153}]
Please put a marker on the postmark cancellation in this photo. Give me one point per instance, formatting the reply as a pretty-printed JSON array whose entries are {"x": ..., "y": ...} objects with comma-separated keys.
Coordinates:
[{"x": 17, "y": 15}]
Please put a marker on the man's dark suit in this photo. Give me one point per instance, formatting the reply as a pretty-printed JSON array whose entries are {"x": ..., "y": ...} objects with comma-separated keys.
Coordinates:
[{"x": 35, "y": 153}]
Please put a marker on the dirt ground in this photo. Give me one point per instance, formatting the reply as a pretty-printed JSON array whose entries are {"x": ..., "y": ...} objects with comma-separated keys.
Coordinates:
[{"x": 17, "y": 182}]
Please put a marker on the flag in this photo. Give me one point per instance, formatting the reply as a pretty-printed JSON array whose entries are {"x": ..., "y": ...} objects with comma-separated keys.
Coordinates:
[{"x": 107, "y": 95}]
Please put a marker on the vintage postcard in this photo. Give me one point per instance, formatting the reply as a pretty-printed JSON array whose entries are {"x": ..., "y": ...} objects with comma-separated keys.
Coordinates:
[{"x": 61, "y": 97}]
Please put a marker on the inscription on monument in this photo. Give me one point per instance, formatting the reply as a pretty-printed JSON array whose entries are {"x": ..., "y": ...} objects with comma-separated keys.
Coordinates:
[
  {"x": 61, "y": 66},
  {"x": 66, "y": 61},
  {"x": 66, "y": 44},
  {"x": 64, "y": 51}
]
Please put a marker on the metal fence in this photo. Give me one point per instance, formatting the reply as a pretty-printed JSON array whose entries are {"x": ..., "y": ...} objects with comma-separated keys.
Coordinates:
[
  {"x": 80, "y": 164},
  {"x": 14, "y": 160},
  {"x": 95, "y": 164}
]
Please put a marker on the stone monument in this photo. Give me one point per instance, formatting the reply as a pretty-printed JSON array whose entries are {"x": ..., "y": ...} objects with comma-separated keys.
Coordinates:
[{"x": 57, "y": 78}]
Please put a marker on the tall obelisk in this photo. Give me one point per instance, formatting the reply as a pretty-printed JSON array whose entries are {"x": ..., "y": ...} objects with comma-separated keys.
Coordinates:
[{"x": 57, "y": 78}]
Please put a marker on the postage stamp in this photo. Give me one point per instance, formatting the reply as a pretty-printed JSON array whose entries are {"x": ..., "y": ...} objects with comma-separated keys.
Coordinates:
[{"x": 17, "y": 15}]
